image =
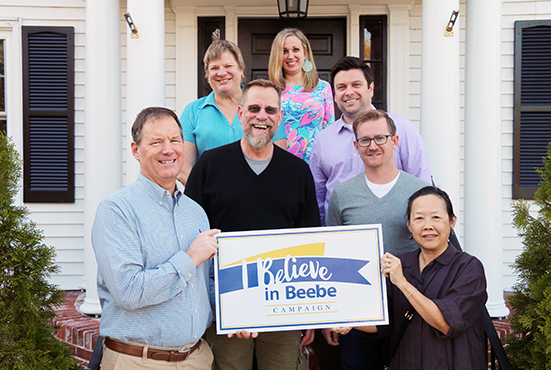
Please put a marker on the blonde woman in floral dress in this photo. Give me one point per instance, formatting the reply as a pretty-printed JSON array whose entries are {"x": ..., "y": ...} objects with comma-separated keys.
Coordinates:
[{"x": 307, "y": 101}]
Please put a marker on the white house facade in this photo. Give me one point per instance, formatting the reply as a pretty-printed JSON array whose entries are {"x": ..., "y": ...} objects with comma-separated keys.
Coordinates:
[{"x": 458, "y": 86}]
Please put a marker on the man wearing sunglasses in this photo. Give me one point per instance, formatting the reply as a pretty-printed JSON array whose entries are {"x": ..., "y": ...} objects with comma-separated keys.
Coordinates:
[{"x": 254, "y": 185}]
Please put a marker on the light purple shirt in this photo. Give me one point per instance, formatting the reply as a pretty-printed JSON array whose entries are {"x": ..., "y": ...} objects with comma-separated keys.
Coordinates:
[{"x": 334, "y": 158}]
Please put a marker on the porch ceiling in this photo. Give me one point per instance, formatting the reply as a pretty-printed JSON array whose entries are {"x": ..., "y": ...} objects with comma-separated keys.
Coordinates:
[{"x": 206, "y": 3}]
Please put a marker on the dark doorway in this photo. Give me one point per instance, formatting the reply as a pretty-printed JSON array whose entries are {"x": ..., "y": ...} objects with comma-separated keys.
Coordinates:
[{"x": 327, "y": 37}]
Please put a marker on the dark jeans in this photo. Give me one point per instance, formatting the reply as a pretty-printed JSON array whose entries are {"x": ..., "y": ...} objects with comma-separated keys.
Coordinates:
[
  {"x": 363, "y": 351},
  {"x": 328, "y": 357}
]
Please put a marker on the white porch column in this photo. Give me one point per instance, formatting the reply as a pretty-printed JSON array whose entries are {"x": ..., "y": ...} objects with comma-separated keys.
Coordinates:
[
  {"x": 103, "y": 138},
  {"x": 354, "y": 31},
  {"x": 483, "y": 198},
  {"x": 231, "y": 24},
  {"x": 186, "y": 40},
  {"x": 145, "y": 66},
  {"x": 440, "y": 126},
  {"x": 398, "y": 59}
]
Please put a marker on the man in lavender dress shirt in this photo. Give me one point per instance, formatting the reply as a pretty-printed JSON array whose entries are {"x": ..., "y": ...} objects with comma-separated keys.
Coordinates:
[{"x": 333, "y": 158}]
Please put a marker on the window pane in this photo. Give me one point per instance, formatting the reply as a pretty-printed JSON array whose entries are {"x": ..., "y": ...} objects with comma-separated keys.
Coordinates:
[
  {"x": 3, "y": 125},
  {"x": 367, "y": 44},
  {"x": 378, "y": 92}
]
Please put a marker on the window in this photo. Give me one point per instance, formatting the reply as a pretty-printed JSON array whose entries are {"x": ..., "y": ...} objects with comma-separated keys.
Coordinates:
[
  {"x": 2, "y": 88},
  {"x": 532, "y": 104},
  {"x": 373, "y": 49},
  {"x": 48, "y": 114},
  {"x": 210, "y": 29}
]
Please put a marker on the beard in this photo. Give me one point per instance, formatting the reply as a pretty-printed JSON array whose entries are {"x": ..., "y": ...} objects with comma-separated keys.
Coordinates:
[{"x": 258, "y": 139}]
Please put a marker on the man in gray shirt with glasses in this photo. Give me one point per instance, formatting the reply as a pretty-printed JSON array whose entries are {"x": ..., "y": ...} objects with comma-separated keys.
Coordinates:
[{"x": 378, "y": 195}]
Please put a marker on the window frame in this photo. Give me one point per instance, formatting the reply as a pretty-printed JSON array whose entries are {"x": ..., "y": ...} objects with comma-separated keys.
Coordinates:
[
  {"x": 205, "y": 26},
  {"x": 380, "y": 98},
  {"x": 520, "y": 108}
]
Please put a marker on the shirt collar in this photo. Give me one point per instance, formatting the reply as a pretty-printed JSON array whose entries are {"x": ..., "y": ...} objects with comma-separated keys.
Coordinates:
[
  {"x": 342, "y": 125},
  {"x": 447, "y": 257},
  {"x": 156, "y": 192},
  {"x": 209, "y": 100},
  {"x": 443, "y": 259}
]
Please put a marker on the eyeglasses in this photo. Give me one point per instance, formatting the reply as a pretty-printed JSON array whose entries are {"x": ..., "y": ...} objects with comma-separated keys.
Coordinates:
[
  {"x": 379, "y": 140},
  {"x": 255, "y": 109}
]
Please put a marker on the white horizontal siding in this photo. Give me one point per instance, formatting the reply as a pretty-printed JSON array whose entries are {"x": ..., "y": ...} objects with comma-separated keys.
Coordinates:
[
  {"x": 512, "y": 10},
  {"x": 62, "y": 224},
  {"x": 414, "y": 86}
]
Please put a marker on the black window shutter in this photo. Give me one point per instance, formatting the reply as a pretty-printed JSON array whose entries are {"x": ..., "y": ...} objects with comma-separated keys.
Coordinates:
[
  {"x": 532, "y": 108},
  {"x": 48, "y": 115}
]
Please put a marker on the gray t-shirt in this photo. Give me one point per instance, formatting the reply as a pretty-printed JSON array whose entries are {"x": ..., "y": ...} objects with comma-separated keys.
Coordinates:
[{"x": 258, "y": 165}]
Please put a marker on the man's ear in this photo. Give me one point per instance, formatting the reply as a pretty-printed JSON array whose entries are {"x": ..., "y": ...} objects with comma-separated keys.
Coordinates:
[
  {"x": 395, "y": 140},
  {"x": 356, "y": 146},
  {"x": 281, "y": 113},
  {"x": 134, "y": 148},
  {"x": 239, "y": 112}
]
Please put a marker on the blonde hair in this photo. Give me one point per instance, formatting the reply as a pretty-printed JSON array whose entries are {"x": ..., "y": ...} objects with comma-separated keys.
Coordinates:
[
  {"x": 275, "y": 65},
  {"x": 215, "y": 51}
]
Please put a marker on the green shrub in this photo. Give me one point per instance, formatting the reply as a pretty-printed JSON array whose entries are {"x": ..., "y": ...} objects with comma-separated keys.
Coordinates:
[
  {"x": 530, "y": 345},
  {"x": 27, "y": 339}
]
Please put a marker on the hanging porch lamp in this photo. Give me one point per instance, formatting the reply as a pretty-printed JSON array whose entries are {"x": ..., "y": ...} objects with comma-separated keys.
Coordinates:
[{"x": 292, "y": 8}]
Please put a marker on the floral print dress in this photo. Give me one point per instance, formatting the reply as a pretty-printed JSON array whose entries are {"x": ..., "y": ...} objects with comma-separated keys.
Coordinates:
[{"x": 305, "y": 114}]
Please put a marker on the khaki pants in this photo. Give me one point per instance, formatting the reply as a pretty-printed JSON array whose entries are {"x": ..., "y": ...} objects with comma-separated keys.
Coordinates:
[
  {"x": 201, "y": 359},
  {"x": 274, "y": 351}
]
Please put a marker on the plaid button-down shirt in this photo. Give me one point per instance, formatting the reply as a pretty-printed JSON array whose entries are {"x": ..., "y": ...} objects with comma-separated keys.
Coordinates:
[{"x": 150, "y": 290}]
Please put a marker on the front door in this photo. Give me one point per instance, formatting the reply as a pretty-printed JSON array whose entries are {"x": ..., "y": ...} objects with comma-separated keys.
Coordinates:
[{"x": 327, "y": 36}]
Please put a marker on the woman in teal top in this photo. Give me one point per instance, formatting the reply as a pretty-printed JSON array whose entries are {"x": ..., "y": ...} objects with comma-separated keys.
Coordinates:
[{"x": 211, "y": 121}]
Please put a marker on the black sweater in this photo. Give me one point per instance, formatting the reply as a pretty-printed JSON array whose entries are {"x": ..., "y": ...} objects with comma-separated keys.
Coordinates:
[{"x": 237, "y": 199}]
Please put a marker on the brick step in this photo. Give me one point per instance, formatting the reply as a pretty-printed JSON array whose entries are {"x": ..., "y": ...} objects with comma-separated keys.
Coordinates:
[{"x": 80, "y": 331}]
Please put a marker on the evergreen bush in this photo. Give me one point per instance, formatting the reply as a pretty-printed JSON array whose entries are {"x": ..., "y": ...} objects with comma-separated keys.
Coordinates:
[
  {"x": 530, "y": 344},
  {"x": 27, "y": 299}
]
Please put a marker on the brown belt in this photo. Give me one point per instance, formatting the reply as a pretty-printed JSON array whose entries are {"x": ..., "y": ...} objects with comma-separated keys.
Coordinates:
[{"x": 154, "y": 354}]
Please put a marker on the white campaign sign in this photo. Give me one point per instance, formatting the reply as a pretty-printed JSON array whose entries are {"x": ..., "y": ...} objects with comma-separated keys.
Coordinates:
[{"x": 290, "y": 279}]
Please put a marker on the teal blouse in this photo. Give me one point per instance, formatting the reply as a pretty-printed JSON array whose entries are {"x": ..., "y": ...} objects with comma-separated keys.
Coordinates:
[{"x": 206, "y": 126}]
